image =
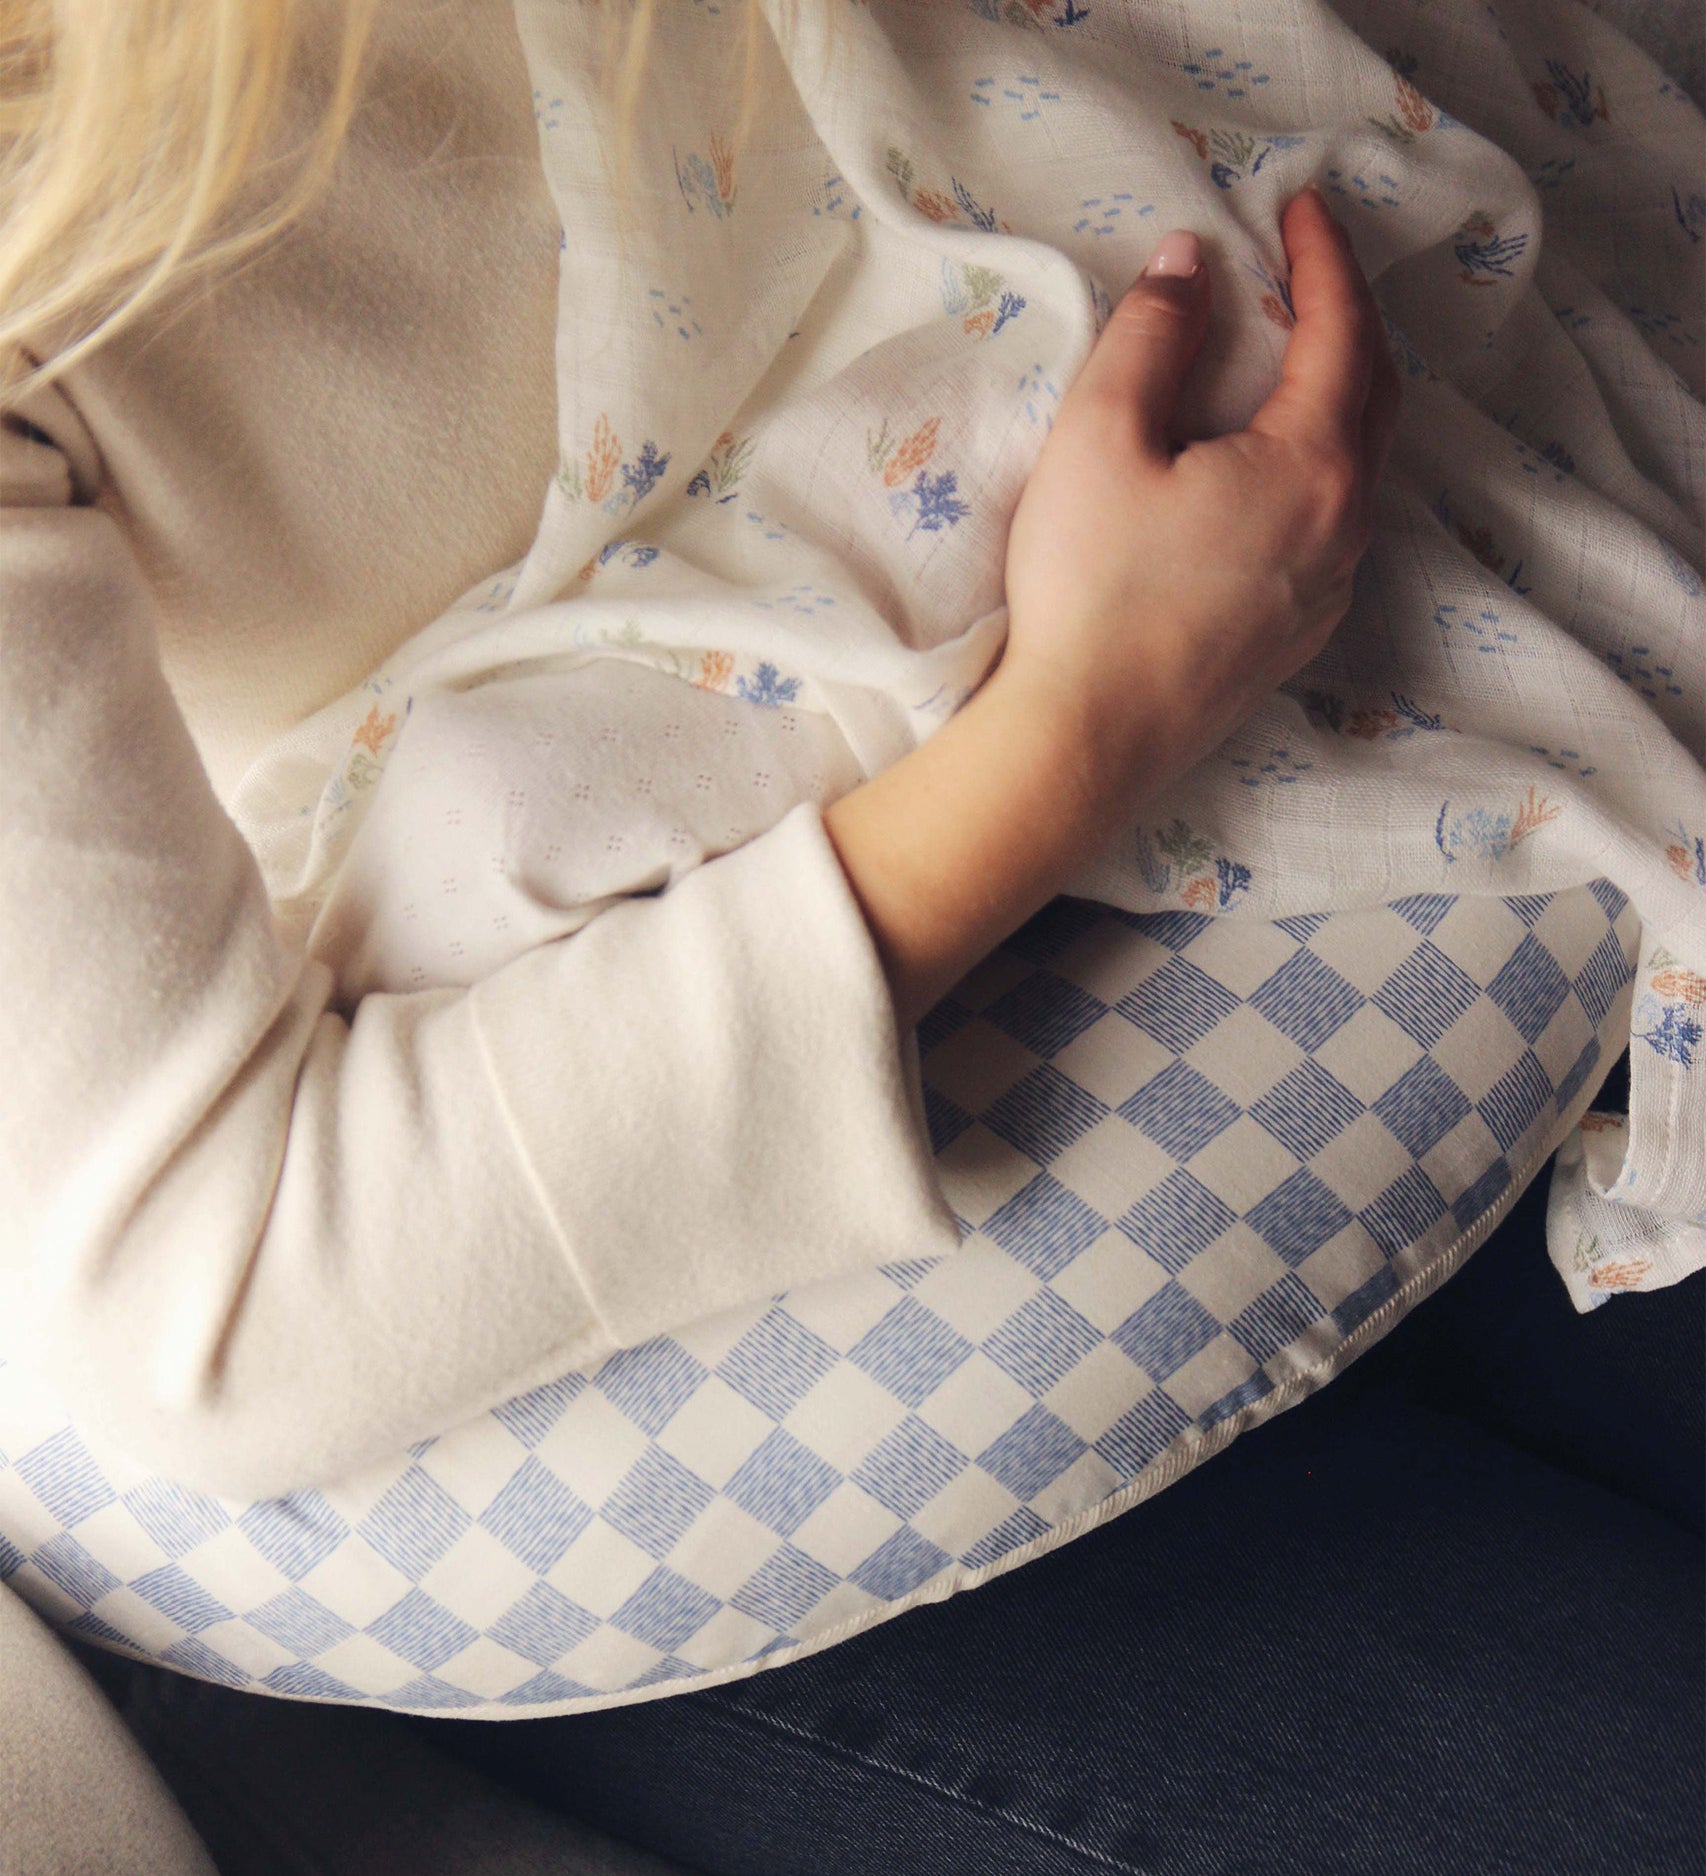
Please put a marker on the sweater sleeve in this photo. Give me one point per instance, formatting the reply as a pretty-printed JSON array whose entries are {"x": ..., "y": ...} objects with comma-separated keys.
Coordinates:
[{"x": 256, "y": 1244}]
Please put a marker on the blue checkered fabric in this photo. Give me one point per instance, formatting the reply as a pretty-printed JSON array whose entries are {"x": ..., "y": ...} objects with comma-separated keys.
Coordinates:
[{"x": 1192, "y": 1159}]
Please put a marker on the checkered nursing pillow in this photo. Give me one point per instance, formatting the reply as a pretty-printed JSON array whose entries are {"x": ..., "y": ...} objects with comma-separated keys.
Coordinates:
[{"x": 1201, "y": 1164}]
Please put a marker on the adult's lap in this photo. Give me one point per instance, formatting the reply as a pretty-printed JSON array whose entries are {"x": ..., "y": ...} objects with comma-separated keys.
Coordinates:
[{"x": 1420, "y": 1622}]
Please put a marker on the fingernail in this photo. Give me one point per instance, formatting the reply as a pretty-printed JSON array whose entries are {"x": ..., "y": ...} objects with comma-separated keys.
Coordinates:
[{"x": 1177, "y": 252}]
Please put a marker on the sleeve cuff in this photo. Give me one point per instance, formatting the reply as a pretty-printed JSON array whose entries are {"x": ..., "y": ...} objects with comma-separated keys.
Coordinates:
[{"x": 711, "y": 1092}]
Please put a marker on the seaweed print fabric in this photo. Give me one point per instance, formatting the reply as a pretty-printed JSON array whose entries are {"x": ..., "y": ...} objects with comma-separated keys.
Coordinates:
[{"x": 798, "y": 404}]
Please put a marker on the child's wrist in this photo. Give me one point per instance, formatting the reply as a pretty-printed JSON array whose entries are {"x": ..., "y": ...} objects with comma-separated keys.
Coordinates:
[{"x": 1108, "y": 754}]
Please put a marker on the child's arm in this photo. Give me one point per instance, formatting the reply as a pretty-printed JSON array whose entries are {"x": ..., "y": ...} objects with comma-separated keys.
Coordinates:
[
  {"x": 1155, "y": 597},
  {"x": 258, "y": 1244},
  {"x": 957, "y": 844}
]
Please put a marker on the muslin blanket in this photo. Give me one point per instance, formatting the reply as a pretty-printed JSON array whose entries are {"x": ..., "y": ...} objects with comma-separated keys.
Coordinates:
[{"x": 797, "y": 409}]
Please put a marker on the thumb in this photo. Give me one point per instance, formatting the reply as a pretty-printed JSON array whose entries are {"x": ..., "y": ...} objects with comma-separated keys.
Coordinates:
[{"x": 1152, "y": 336}]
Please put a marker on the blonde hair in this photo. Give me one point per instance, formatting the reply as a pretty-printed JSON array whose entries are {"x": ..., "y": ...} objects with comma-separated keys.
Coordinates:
[{"x": 131, "y": 135}]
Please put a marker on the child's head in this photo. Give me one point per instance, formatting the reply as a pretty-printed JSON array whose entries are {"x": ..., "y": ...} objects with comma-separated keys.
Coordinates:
[{"x": 130, "y": 129}]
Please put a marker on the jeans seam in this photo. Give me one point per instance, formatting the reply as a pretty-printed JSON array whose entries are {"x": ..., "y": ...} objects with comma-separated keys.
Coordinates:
[{"x": 832, "y": 1746}]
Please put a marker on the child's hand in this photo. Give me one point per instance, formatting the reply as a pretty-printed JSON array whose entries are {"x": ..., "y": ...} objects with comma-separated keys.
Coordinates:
[{"x": 1159, "y": 593}]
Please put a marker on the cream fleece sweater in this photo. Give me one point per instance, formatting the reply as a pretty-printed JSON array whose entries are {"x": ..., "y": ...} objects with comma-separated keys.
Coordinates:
[{"x": 244, "y": 1237}]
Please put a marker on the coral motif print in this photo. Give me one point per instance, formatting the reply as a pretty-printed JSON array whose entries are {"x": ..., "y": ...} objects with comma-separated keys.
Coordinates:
[
  {"x": 1686, "y": 855},
  {"x": 1672, "y": 1010},
  {"x": 370, "y": 743},
  {"x": 1622, "y": 1273},
  {"x": 933, "y": 204},
  {"x": 709, "y": 182},
  {"x": 1204, "y": 880},
  {"x": 1039, "y": 14},
  {"x": 374, "y": 730},
  {"x": 597, "y": 482},
  {"x": 931, "y": 501},
  {"x": 1490, "y": 835},
  {"x": 1572, "y": 98},
  {"x": 1484, "y": 255},
  {"x": 768, "y": 687},
  {"x": 651, "y": 651},
  {"x": 630, "y": 553},
  {"x": 980, "y": 294},
  {"x": 1276, "y": 298},
  {"x": 1479, "y": 540},
  {"x": 1404, "y": 718},
  {"x": 1412, "y": 114},
  {"x": 1674, "y": 980},
  {"x": 724, "y": 467},
  {"x": 714, "y": 670},
  {"x": 1232, "y": 155}
]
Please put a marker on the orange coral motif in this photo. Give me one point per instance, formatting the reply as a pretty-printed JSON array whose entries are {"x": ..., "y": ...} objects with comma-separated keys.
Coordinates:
[
  {"x": 934, "y": 206},
  {"x": 1200, "y": 891},
  {"x": 1532, "y": 814},
  {"x": 1624, "y": 1276},
  {"x": 723, "y": 162},
  {"x": 1412, "y": 106},
  {"x": 914, "y": 452},
  {"x": 1679, "y": 861},
  {"x": 980, "y": 323},
  {"x": 1197, "y": 140},
  {"x": 601, "y": 460},
  {"x": 714, "y": 669},
  {"x": 1547, "y": 98},
  {"x": 1369, "y": 724},
  {"x": 1275, "y": 309},
  {"x": 374, "y": 729},
  {"x": 1689, "y": 985},
  {"x": 1595, "y": 1122}
]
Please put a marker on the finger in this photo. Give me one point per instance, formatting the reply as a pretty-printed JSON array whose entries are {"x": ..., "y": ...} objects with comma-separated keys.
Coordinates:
[
  {"x": 1152, "y": 337},
  {"x": 1329, "y": 358}
]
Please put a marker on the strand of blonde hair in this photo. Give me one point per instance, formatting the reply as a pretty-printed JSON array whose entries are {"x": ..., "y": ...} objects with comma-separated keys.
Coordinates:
[{"x": 132, "y": 130}]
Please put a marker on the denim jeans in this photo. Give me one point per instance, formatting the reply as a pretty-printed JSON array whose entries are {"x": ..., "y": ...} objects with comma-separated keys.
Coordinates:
[{"x": 1447, "y": 1616}]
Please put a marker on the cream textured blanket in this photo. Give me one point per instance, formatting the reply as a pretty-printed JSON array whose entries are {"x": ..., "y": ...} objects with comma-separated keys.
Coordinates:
[{"x": 797, "y": 410}]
